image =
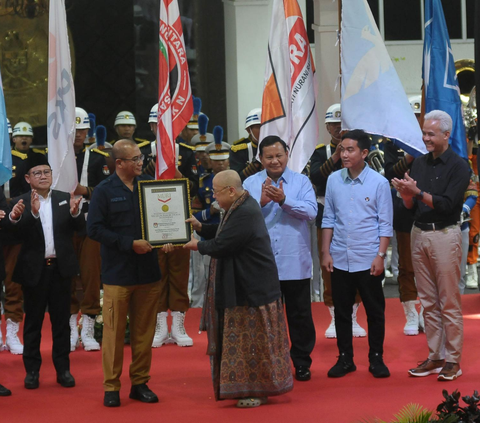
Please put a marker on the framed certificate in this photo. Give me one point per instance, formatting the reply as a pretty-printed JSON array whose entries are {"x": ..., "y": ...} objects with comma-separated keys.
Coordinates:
[{"x": 164, "y": 207}]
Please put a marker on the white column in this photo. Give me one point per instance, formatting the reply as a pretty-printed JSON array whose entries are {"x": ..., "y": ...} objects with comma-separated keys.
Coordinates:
[
  {"x": 327, "y": 59},
  {"x": 247, "y": 25}
]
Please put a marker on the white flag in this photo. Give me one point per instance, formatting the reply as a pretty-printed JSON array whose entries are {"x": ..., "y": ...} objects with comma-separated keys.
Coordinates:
[
  {"x": 61, "y": 102},
  {"x": 289, "y": 96},
  {"x": 373, "y": 98}
]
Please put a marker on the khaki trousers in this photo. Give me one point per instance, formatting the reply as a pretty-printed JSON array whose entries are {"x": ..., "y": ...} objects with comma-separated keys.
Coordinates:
[
  {"x": 89, "y": 259},
  {"x": 139, "y": 302},
  {"x": 436, "y": 259},
  {"x": 327, "y": 278},
  {"x": 175, "y": 268}
]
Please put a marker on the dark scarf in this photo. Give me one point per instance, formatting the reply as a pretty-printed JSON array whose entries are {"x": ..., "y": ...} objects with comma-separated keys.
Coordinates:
[{"x": 209, "y": 321}]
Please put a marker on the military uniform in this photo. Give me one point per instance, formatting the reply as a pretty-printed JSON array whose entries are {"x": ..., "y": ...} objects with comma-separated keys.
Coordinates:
[
  {"x": 242, "y": 158},
  {"x": 91, "y": 170},
  {"x": 203, "y": 201}
]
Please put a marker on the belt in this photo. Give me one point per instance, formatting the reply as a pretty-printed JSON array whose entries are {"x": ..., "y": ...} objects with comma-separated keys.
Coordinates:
[
  {"x": 433, "y": 226},
  {"x": 50, "y": 261}
]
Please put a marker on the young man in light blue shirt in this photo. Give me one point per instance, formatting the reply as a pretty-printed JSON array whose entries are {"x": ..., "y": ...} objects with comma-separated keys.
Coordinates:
[
  {"x": 356, "y": 228},
  {"x": 288, "y": 201}
]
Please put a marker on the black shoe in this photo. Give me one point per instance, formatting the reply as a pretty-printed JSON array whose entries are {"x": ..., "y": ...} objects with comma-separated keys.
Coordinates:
[
  {"x": 344, "y": 365},
  {"x": 111, "y": 399},
  {"x": 302, "y": 373},
  {"x": 142, "y": 393},
  {"x": 4, "y": 392},
  {"x": 32, "y": 380},
  {"x": 66, "y": 379},
  {"x": 377, "y": 367}
]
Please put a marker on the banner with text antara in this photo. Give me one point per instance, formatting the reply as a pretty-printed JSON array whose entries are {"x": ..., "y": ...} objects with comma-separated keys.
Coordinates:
[
  {"x": 175, "y": 106},
  {"x": 289, "y": 96},
  {"x": 61, "y": 102}
]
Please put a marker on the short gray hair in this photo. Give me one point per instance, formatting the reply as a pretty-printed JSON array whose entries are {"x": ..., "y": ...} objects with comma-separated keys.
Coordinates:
[{"x": 442, "y": 117}]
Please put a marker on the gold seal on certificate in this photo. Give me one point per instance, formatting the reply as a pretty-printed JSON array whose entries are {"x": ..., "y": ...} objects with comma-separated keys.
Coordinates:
[{"x": 164, "y": 206}]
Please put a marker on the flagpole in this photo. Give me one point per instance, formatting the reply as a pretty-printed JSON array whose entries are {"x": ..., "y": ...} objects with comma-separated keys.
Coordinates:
[{"x": 339, "y": 44}]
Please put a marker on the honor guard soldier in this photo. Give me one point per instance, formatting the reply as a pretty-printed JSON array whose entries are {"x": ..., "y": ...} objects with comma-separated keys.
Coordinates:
[
  {"x": 174, "y": 266},
  {"x": 326, "y": 160},
  {"x": 244, "y": 151},
  {"x": 397, "y": 163},
  {"x": 91, "y": 170},
  {"x": 125, "y": 126},
  {"x": 200, "y": 141},
  {"x": 191, "y": 129},
  {"x": 218, "y": 152},
  {"x": 16, "y": 186},
  {"x": 207, "y": 210}
]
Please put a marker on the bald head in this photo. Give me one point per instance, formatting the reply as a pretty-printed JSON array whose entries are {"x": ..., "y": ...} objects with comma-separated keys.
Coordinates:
[
  {"x": 122, "y": 148},
  {"x": 229, "y": 178}
]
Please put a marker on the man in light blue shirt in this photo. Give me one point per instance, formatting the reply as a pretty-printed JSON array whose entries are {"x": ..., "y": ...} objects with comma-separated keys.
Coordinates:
[
  {"x": 288, "y": 201},
  {"x": 356, "y": 228}
]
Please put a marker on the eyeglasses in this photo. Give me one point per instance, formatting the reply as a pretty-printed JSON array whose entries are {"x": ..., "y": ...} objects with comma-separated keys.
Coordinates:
[
  {"x": 135, "y": 159},
  {"x": 38, "y": 173},
  {"x": 216, "y": 192}
]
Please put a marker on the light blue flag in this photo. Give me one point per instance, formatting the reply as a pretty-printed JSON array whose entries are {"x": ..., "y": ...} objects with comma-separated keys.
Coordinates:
[
  {"x": 440, "y": 80},
  {"x": 5, "y": 152},
  {"x": 373, "y": 98}
]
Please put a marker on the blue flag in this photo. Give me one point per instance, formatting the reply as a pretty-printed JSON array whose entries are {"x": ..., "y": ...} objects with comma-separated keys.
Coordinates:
[
  {"x": 373, "y": 98},
  {"x": 440, "y": 80},
  {"x": 5, "y": 152}
]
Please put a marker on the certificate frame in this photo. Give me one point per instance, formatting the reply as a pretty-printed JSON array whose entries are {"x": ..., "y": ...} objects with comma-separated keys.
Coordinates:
[{"x": 164, "y": 207}]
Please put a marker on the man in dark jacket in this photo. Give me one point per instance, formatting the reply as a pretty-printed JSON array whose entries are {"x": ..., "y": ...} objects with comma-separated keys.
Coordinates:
[
  {"x": 130, "y": 274},
  {"x": 243, "y": 293},
  {"x": 46, "y": 220}
]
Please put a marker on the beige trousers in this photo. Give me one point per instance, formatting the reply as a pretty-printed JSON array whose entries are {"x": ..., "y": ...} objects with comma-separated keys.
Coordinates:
[{"x": 436, "y": 259}]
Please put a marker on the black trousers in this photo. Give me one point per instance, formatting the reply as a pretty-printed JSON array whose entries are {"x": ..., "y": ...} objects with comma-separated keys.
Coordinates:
[
  {"x": 296, "y": 297},
  {"x": 344, "y": 288},
  {"x": 52, "y": 291}
]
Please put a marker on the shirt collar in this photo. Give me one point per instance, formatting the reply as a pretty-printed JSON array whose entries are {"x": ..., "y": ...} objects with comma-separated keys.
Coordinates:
[
  {"x": 443, "y": 157},
  {"x": 286, "y": 175},
  {"x": 346, "y": 177},
  {"x": 47, "y": 197}
]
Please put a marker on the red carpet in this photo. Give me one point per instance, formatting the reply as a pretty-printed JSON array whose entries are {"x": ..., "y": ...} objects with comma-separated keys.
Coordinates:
[{"x": 181, "y": 379}]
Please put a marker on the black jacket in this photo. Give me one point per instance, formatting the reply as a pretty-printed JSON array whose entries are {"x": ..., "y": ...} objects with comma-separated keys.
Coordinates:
[
  {"x": 32, "y": 255},
  {"x": 246, "y": 270}
]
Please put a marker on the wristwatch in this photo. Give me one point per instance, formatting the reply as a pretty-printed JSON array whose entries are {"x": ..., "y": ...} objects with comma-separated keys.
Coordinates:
[
  {"x": 382, "y": 255},
  {"x": 419, "y": 196}
]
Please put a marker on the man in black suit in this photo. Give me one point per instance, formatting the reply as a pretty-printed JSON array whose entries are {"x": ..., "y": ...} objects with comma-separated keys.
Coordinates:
[{"x": 46, "y": 220}]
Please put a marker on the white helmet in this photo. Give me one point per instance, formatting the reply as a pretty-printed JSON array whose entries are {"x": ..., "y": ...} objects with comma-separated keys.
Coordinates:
[
  {"x": 416, "y": 103},
  {"x": 9, "y": 126},
  {"x": 254, "y": 117},
  {"x": 333, "y": 114},
  {"x": 125, "y": 118},
  {"x": 152, "y": 117},
  {"x": 82, "y": 120},
  {"x": 22, "y": 128}
]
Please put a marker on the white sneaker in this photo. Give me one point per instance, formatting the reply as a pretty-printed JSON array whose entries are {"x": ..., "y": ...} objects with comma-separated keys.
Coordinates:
[
  {"x": 178, "y": 334},
  {"x": 388, "y": 274},
  {"x": 12, "y": 342},
  {"x": 87, "y": 334},
  {"x": 161, "y": 330},
  {"x": 411, "y": 327},
  {"x": 1, "y": 336},
  {"x": 357, "y": 330},
  {"x": 472, "y": 277},
  {"x": 73, "y": 332},
  {"x": 331, "y": 331}
]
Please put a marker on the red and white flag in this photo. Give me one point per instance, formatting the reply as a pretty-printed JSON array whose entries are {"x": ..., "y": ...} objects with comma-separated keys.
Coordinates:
[
  {"x": 175, "y": 106},
  {"x": 61, "y": 102},
  {"x": 289, "y": 96}
]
